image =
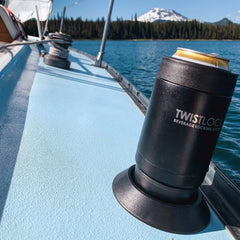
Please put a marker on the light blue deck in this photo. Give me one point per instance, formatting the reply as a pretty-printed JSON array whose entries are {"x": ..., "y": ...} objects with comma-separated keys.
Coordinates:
[{"x": 81, "y": 130}]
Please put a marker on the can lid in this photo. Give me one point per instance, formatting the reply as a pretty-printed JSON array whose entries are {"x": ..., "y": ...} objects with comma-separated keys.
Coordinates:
[{"x": 211, "y": 59}]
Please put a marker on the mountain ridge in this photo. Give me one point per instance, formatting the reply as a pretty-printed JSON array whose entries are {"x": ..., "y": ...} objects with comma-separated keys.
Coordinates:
[
  {"x": 224, "y": 21},
  {"x": 163, "y": 15}
]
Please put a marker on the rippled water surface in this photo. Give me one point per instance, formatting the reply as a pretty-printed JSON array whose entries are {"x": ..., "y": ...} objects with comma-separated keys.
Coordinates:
[{"x": 139, "y": 61}]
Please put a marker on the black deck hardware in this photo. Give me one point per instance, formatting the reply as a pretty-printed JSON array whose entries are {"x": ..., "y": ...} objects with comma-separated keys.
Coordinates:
[
  {"x": 58, "y": 52},
  {"x": 182, "y": 124}
]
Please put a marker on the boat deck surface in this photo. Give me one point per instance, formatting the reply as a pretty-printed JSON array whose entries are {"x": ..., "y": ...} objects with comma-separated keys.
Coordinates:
[{"x": 81, "y": 130}]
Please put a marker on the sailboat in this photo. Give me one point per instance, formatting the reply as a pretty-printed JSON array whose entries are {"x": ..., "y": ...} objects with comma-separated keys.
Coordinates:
[{"x": 66, "y": 133}]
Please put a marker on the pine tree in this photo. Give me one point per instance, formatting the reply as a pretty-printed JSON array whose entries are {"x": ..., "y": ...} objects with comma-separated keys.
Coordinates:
[{"x": 120, "y": 29}]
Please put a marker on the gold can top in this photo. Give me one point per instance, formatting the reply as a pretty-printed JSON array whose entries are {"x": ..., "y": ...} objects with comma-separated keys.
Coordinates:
[{"x": 211, "y": 59}]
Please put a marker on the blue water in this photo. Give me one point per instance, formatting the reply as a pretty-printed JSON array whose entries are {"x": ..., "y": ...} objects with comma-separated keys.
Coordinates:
[{"x": 139, "y": 61}]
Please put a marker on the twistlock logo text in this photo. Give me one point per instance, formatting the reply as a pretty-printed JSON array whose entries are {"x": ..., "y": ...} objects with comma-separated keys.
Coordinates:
[{"x": 197, "y": 121}]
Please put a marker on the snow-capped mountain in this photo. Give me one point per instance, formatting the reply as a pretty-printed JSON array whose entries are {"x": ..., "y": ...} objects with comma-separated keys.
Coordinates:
[{"x": 161, "y": 14}]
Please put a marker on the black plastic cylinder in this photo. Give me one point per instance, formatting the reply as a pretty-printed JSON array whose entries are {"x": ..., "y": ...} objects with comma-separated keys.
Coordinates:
[
  {"x": 182, "y": 124},
  {"x": 181, "y": 128}
]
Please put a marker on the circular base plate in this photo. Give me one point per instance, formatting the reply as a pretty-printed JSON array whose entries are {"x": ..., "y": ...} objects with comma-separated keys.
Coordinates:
[{"x": 175, "y": 218}]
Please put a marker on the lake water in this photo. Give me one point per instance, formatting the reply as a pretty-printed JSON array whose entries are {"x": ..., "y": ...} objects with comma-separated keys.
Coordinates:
[{"x": 139, "y": 61}]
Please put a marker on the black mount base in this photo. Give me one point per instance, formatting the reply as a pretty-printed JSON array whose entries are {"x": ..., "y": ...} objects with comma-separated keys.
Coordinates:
[{"x": 175, "y": 218}]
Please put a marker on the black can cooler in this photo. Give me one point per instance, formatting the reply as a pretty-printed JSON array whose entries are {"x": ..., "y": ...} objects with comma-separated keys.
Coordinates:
[
  {"x": 188, "y": 105},
  {"x": 183, "y": 122}
]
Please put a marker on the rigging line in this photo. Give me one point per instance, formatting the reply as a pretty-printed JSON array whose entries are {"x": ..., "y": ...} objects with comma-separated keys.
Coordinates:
[{"x": 32, "y": 43}]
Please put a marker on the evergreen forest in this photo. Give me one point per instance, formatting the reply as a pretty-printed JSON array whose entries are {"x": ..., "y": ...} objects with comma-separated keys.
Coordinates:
[{"x": 127, "y": 30}]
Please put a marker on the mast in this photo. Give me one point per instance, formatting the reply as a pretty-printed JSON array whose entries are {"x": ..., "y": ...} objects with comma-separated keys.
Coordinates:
[
  {"x": 45, "y": 32},
  {"x": 63, "y": 15},
  {"x": 38, "y": 24},
  {"x": 99, "y": 58}
]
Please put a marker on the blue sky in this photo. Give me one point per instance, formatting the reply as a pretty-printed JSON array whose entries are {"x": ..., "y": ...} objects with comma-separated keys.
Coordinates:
[{"x": 204, "y": 10}]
